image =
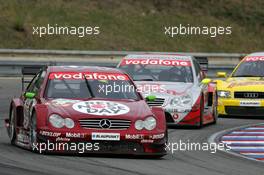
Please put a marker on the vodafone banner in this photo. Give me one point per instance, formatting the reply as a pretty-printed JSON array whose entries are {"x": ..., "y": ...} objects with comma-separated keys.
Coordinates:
[
  {"x": 254, "y": 58},
  {"x": 156, "y": 62},
  {"x": 88, "y": 75}
]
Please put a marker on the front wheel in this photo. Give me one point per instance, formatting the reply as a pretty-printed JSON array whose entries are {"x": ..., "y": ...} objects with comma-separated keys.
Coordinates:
[
  {"x": 12, "y": 127},
  {"x": 33, "y": 132}
]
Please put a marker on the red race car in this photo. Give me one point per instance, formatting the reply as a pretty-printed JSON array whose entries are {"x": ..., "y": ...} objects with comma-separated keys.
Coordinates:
[{"x": 70, "y": 109}]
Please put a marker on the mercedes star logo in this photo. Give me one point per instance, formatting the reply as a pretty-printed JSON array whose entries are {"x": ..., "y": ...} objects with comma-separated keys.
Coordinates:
[
  {"x": 105, "y": 124},
  {"x": 251, "y": 95}
]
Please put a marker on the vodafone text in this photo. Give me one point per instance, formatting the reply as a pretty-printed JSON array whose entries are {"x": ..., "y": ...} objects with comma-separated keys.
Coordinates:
[
  {"x": 156, "y": 62},
  {"x": 254, "y": 58},
  {"x": 88, "y": 76}
]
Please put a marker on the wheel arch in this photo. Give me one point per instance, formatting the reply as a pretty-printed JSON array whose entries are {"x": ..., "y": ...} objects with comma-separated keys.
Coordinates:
[{"x": 17, "y": 106}]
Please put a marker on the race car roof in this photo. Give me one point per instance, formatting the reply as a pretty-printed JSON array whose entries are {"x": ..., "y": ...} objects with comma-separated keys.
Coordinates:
[
  {"x": 159, "y": 56},
  {"x": 83, "y": 69}
]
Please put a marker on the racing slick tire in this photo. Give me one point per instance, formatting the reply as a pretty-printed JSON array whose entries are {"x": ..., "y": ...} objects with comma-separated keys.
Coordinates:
[
  {"x": 12, "y": 126},
  {"x": 215, "y": 115},
  {"x": 33, "y": 132}
]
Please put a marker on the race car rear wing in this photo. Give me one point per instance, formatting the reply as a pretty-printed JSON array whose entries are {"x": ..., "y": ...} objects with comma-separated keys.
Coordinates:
[
  {"x": 203, "y": 61},
  {"x": 28, "y": 72}
]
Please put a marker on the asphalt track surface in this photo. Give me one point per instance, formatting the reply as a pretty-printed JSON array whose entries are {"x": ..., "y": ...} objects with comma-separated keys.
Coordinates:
[{"x": 14, "y": 160}]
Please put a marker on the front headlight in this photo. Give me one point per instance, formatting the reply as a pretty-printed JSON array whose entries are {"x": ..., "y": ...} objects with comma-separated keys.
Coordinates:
[
  {"x": 185, "y": 100},
  {"x": 69, "y": 123},
  {"x": 176, "y": 101},
  {"x": 149, "y": 123},
  {"x": 139, "y": 124},
  {"x": 224, "y": 94},
  {"x": 56, "y": 121}
]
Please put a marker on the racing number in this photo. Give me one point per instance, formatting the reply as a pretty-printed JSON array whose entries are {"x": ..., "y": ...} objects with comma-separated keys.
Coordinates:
[{"x": 29, "y": 103}]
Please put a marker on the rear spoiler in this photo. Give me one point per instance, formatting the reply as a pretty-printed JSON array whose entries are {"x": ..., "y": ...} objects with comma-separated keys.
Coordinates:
[
  {"x": 28, "y": 72},
  {"x": 203, "y": 61}
]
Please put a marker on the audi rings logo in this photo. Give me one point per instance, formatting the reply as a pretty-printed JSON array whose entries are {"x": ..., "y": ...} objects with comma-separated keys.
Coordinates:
[
  {"x": 251, "y": 95},
  {"x": 105, "y": 124}
]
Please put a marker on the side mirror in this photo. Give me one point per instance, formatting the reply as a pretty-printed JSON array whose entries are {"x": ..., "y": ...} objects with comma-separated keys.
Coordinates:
[
  {"x": 151, "y": 98},
  {"x": 206, "y": 81},
  {"x": 221, "y": 74},
  {"x": 29, "y": 95}
]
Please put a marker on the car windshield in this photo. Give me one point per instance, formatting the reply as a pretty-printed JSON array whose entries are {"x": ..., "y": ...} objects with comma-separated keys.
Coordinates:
[
  {"x": 250, "y": 69},
  {"x": 159, "y": 72},
  {"x": 90, "y": 85}
]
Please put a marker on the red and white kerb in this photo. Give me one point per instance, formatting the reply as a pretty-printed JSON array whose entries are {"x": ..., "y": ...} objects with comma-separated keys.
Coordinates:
[
  {"x": 88, "y": 75},
  {"x": 155, "y": 62}
]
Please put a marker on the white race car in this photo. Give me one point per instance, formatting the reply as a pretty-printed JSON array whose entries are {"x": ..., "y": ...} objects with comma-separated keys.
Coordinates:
[{"x": 175, "y": 82}]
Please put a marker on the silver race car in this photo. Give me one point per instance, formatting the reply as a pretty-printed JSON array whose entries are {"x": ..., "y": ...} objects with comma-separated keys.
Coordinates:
[{"x": 177, "y": 83}]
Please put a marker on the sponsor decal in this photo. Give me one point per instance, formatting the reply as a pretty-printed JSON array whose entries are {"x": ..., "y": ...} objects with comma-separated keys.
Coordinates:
[
  {"x": 250, "y": 103},
  {"x": 254, "y": 58},
  {"x": 75, "y": 135},
  {"x": 163, "y": 62},
  {"x": 134, "y": 136},
  {"x": 158, "y": 136},
  {"x": 50, "y": 134},
  {"x": 62, "y": 139},
  {"x": 249, "y": 83},
  {"x": 97, "y": 107},
  {"x": 176, "y": 111},
  {"x": 88, "y": 76},
  {"x": 142, "y": 137},
  {"x": 105, "y": 136},
  {"x": 147, "y": 141}
]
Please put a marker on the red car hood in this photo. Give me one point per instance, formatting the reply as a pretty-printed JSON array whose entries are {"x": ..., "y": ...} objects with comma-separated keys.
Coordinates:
[{"x": 98, "y": 108}]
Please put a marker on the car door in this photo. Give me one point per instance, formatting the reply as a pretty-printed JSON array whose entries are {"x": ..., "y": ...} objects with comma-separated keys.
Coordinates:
[{"x": 29, "y": 103}]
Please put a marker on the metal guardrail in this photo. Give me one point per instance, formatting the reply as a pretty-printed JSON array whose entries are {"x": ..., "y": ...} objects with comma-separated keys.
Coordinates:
[
  {"x": 113, "y": 53},
  {"x": 217, "y": 61}
]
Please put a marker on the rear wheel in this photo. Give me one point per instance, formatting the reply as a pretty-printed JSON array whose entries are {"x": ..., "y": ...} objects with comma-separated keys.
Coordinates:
[{"x": 12, "y": 126}]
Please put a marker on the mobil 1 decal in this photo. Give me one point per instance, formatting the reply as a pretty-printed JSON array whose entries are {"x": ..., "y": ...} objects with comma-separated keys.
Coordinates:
[{"x": 97, "y": 107}]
